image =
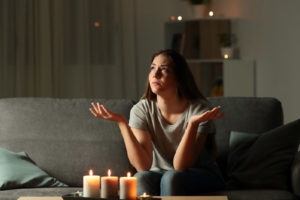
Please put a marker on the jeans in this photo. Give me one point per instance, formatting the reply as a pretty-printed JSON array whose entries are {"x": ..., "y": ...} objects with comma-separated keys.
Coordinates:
[{"x": 173, "y": 182}]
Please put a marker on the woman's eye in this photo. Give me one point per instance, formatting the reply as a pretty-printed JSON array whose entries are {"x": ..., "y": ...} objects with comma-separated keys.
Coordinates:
[
  {"x": 152, "y": 68},
  {"x": 164, "y": 69}
]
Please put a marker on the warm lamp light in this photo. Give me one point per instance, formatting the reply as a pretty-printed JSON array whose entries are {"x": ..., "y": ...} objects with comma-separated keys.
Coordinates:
[
  {"x": 179, "y": 18},
  {"x": 96, "y": 24},
  {"x": 211, "y": 13},
  {"x": 226, "y": 56},
  {"x": 173, "y": 18}
]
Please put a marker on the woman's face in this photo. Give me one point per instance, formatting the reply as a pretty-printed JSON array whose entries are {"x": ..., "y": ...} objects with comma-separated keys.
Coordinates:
[{"x": 161, "y": 77}]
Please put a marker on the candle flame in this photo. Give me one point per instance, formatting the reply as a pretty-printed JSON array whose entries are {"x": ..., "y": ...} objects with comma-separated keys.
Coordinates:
[
  {"x": 128, "y": 174},
  {"x": 144, "y": 195},
  {"x": 91, "y": 172},
  {"x": 109, "y": 172}
]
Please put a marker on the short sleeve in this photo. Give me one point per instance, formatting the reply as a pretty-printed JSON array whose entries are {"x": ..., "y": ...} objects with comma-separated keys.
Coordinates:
[{"x": 138, "y": 117}]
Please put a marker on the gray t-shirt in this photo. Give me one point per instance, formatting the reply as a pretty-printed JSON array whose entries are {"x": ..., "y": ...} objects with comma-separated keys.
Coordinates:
[{"x": 145, "y": 115}]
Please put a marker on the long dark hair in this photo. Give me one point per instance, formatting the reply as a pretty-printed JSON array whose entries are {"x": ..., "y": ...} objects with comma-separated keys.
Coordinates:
[
  {"x": 183, "y": 75},
  {"x": 187, "y": 87}
]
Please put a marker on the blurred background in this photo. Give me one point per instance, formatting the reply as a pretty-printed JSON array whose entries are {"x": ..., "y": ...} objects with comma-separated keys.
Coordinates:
[{"x": 102, "y": 48}]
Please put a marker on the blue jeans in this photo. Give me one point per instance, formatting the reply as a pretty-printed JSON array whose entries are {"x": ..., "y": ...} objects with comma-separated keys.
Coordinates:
[{"x": 172, "y": 183}]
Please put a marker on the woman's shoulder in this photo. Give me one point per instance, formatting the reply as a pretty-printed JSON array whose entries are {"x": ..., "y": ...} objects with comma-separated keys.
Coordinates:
[{"x": 144, "y": 104}]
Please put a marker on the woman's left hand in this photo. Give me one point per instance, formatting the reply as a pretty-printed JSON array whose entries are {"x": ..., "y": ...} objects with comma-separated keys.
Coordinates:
[
  {"x": 100, "y": 111},
  {"x": 208, "y": 115}
]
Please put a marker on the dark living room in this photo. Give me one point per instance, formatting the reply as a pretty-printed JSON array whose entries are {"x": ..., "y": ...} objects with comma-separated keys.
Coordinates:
[{"x": 59, "y": 56}]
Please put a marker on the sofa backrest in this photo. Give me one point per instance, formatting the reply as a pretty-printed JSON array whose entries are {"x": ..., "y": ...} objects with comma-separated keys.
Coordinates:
[
  {"x": 66, "y": 140},
  {"x": 245, "y": 114},
  {"x": 63, "y": 137}
]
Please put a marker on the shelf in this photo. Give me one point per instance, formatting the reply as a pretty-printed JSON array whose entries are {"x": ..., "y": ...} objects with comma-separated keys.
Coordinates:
[
  {"x": 197, "y": 38},
  {"x": 201, "y": 19},
  {"x": 196, "y": 61},
  {"x": 198, "y": 41},
  {"x": 208, "y": 60}
]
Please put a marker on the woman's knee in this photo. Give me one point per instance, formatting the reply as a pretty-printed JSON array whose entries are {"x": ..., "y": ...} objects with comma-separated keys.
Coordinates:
[
  {"x": 170, "y": 182},
  {"x": 144, "y": 174},
  {"x": 148, "y": 181},
  {"x": 144, "y": 177},
  {"x": 172, "y": 176}
]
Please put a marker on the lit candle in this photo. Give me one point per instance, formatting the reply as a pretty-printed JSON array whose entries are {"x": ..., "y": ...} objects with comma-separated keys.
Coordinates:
[
  {"x": 91, "y": 185},
  {"x": 109, "y": 186},
  {"x": 128, "y": 187},
  {"x": 145, "y": 196},
  {"x": 211, "y": 13}
]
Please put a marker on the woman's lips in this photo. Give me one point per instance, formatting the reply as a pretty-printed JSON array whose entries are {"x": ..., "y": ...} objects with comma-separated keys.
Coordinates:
[{"x": 155, "y": 83}]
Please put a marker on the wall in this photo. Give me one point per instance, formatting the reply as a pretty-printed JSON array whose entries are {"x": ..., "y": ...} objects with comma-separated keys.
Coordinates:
[
  {"x": 150, "y": 19},
  {"x": 267, "y": 31}
]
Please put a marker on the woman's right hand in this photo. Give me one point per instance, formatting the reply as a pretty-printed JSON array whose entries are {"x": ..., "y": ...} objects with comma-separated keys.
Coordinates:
[{"x": 101, "y": 111}]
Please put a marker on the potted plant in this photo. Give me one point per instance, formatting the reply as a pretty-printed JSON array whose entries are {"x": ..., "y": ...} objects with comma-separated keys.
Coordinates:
[
  {"x": 226, "y": 41},
  {"x": 199, "y": 7}
]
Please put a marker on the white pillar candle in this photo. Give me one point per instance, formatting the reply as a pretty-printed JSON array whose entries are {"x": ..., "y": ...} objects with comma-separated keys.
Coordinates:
[
  {"x": 128, "y": 187},
  {"x": 91, "y": 185},
  {"x": 109, "y": 186}
]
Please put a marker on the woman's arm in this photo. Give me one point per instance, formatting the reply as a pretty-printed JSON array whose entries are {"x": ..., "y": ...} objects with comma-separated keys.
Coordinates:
[
  {"x": 191, "y": 143},
  {"x": 137, "y": 142}
]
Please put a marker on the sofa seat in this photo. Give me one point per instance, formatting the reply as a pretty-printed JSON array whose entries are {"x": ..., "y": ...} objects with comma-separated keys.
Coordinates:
[{"x": 16, "y": 193}]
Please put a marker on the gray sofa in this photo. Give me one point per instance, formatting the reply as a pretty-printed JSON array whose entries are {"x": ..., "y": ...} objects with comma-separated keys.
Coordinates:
[{"x": 63, "y": 139}]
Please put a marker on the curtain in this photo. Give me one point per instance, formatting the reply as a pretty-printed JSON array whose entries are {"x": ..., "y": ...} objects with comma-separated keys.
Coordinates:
[{"x": 63, "y": 49}]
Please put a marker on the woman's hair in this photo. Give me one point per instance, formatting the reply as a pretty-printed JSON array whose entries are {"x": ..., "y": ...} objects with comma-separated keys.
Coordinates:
[{"x": 187, "y": 87}]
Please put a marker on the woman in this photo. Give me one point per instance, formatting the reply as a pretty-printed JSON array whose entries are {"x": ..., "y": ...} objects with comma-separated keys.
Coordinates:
[{"x": 170, "y": 136}]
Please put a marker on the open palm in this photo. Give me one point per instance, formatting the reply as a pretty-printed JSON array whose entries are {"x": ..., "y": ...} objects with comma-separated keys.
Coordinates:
[
  {"x": 208, "y": 115},
  {"x": 100, "y": 111}
]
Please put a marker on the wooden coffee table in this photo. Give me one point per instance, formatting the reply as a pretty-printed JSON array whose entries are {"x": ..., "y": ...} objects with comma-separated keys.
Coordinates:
[{"x": 162, "y": 198}]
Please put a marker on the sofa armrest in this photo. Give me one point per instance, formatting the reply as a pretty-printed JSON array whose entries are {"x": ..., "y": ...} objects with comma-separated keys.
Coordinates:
[{"x": 296, "y": 174}]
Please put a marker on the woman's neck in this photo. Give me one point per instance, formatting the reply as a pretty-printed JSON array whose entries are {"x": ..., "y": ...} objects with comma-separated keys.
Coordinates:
[{"x": 171, "y": 105}]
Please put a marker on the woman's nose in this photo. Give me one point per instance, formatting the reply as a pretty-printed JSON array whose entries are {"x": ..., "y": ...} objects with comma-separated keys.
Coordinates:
[{"x": 157, "y": 73}]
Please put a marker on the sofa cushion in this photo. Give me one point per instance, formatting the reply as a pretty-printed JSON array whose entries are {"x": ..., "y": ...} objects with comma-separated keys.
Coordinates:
[
  {"x": 17, "y": 170},
  {"x": 295, "y": 175},
  {"x": 244, "y": 114},
  {"x": 267, "y": 162},
  {"x": 14, "y": 194},
  {"x": 63, "y": 137}
]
